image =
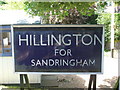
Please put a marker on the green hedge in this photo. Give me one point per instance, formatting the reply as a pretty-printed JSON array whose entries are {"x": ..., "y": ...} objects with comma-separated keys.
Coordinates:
[
  {"x": 105, "y": 19},
  {"x": 117, "y": 26}
]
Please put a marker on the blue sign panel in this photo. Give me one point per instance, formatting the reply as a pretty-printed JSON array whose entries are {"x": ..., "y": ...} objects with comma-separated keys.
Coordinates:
[{"x": 58, "y": 48}]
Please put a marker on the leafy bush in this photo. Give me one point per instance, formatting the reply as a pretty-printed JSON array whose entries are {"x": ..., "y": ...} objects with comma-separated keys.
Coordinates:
[
  {"x": 117, "y": 26},
  {"x": 105, "y": 19}
]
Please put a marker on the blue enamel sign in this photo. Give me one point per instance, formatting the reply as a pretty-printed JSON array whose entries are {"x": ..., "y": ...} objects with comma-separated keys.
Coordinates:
[{"x": 58, "y": 48}]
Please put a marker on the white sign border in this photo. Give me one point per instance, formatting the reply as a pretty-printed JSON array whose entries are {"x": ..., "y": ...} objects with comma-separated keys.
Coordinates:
[{"x": 32, "y": 25}]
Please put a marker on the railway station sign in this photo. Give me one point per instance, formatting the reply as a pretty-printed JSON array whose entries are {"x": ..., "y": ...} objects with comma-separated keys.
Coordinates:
[{"x": 58, "y": 48}]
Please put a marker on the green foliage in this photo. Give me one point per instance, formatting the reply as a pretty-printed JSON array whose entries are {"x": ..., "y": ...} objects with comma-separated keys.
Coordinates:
[
  {"x": 12, "y": 5},
  {"x": 101, "y": 6},
  {"x": 105, "y": 19},
  {"x": 117, "y": 3},
  {"x": 60, "y": 12},
  {"x": 116, "y": 86},
  {"x": 58, "y": 8},
  {"x": 2, "y": 3},
  {"x": 92, "y": 19},
  {"x": 117, "y": 26}
]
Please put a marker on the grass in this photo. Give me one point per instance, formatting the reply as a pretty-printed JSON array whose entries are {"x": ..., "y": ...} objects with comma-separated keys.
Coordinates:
[{"x": 17, "y": 86}]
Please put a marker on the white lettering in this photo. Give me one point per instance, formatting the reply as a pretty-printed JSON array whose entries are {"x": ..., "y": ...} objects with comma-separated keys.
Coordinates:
[
  {"x": 87, "y": 43},
  {"x": 23, "y": 40},
  {"x": 96, "y": 38},
  {"x": 34, "y": 39},
  {"x": 53, "y": 38},
  {"x": 77, "y": 40},
  {"x": 41, "y": 39},
  {"x": 63, "y": 40}
]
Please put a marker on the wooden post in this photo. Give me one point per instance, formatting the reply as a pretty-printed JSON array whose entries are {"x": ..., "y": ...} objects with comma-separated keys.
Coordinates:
[
  {"x": 92, "y": 80},
  {"x": 21, "y": 82},
  {"x": 112, "y": 53},
  {"x": 27, "y": 81},
  {"x": 22, "y": 77}
]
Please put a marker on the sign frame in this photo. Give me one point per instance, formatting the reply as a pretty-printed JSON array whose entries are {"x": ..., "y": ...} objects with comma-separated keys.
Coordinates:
[{"x": 34, "y": 25}]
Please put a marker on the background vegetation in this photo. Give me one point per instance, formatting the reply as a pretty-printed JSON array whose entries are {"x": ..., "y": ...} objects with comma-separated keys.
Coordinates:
[
  {"x": 69, "y": 13},
  {"x": 75, "y": 13}
]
